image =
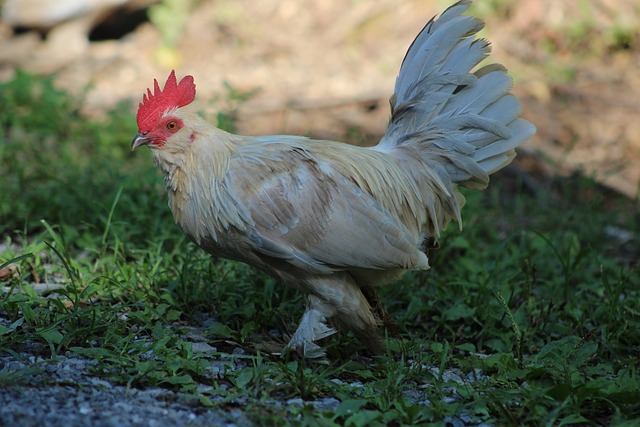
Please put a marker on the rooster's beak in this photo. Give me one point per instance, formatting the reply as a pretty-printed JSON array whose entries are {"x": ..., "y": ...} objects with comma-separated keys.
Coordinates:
[{"x": 140, "y": 139}]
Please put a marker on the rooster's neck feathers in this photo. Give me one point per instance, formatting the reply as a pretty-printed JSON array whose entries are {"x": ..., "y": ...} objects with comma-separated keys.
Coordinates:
[{"x": 194, "y": 165}]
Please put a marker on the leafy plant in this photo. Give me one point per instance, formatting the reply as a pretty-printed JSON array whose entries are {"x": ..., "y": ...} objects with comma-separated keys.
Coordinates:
[{"x": 530, "y": 315}]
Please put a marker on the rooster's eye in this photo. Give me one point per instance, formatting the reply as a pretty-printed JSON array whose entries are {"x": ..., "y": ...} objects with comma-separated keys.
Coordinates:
[{"x": 172, "y": 126}]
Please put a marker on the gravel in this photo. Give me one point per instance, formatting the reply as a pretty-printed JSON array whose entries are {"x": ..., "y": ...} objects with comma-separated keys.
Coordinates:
[
  {"x": 64, "y": 393},
  {"x": 68, "y": 390}
]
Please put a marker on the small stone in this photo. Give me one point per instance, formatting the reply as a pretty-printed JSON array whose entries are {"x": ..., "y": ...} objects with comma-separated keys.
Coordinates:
[
  {"x": 203, "y": 347},
  {"x": 328, "y": 403},
  {"x": 295, "y": 402},
  {"x": 8, "y": 272}
]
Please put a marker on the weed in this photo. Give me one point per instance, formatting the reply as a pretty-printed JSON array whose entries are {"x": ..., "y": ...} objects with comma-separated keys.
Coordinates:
[{"x": 528, "y": 316}]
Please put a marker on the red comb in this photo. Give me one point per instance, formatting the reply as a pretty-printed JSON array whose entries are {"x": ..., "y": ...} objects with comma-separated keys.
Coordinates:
[{"x": 173, "y": 95}]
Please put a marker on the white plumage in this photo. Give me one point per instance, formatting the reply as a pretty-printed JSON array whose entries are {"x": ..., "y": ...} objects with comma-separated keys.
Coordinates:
[{"x": 335, "y": 220}]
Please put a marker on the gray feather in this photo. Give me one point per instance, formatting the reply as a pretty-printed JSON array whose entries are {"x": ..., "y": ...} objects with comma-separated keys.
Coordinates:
[
  {"x": 462, "y": 122},
  {"x": 521, "y": 130},
  {"x": 467, "y": 121},
  {"x": 487, "y": 90}
]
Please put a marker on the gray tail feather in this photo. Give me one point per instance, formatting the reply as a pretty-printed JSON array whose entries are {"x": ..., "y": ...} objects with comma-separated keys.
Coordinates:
[{"x": 466, "y": 124}]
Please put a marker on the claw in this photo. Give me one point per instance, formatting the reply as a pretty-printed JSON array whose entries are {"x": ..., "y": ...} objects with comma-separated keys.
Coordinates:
[{"x": 312, "y": 328}]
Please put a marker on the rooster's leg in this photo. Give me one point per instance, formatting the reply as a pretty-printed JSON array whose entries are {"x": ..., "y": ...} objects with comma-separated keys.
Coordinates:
[
  {"x": 371, "y": 295},
  {"x": 336, "y": 298}
]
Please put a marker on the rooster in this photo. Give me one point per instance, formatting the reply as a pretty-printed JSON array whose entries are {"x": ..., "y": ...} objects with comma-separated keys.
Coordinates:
[{"x": 335, "y": 220}]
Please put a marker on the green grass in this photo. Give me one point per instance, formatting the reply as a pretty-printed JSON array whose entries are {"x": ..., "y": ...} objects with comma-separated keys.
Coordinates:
[{"x": 529, "y": 316}]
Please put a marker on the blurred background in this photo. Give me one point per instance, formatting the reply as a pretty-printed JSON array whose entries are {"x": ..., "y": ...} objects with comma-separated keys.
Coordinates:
[{"x": 326, "y": 69}]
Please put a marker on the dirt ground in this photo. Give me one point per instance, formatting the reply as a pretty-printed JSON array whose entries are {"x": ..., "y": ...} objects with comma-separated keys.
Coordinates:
[{"x": 327, "y": 68}]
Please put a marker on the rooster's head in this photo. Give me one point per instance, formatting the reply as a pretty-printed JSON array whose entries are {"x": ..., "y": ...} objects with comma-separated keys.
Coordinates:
[{"x": 158, "y": 122}]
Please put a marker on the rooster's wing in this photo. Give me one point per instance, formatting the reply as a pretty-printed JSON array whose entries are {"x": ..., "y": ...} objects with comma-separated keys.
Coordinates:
[{"x": 302, "y": 210}]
